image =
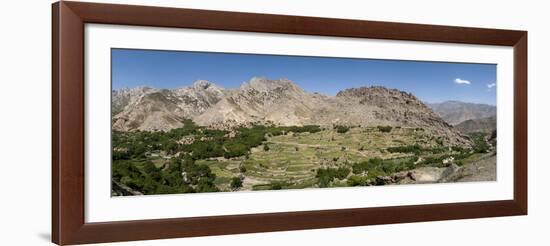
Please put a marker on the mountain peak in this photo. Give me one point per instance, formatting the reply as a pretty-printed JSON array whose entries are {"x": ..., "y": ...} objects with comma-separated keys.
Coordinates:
[
  {"x": 378, "y": 91},
  {"x": 258, "y": 79},
  {"x": 202, "y": 84},
  {"x": 264, "y": 84},
  {"x": 135, "y": 90}
]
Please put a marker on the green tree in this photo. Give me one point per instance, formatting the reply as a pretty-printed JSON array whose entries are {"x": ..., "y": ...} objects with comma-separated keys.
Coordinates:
[
  {"x": 341, "y": 129},
  {"x": 236, "y": 183},
  {"x": 384, "y": 128}
]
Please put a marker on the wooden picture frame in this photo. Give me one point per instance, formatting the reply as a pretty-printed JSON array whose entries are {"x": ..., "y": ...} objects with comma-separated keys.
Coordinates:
[{"x": 68, "y": 223}]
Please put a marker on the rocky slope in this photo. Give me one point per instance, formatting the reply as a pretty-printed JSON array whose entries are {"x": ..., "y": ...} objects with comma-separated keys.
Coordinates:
[
  {"x": 373, "y": 106},
  {"x": 154, "y": 109},
  {"x": 486, "y": 125},
  {"x": 262, "y": 100},
  {"x": 455, "y": 112},
  {"x": 280, "y": 102}
]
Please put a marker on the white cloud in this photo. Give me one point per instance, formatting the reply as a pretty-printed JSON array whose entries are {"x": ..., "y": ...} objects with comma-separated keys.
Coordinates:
[
  {"x": 491, "y": 85},
  {"x": 462, "y": 81}
]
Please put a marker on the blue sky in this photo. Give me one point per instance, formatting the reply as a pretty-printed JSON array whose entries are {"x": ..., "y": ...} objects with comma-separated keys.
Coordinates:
[{"x": 429, "y": 81}]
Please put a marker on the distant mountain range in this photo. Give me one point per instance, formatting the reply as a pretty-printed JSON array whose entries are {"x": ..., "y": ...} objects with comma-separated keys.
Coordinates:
[
  {"x": 455, "y": 112},
  {"x": 279, "y": 102}
]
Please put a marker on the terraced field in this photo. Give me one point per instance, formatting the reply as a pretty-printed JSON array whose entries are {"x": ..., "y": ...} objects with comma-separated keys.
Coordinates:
[{"x": 292, "y": 160}]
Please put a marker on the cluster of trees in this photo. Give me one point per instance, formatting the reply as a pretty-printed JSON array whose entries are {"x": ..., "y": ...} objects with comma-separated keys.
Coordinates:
[
  {"x": 182, "y": 175},
  {"x": 281, "y": 130},
  {"x": 134, "y": 145},
  {"x": 357, "y": 180},
  {"x": 416, "y": 149},
  {"x": 435, "y": 161},
  {"x": 138, "y": 175},
  {"x": 132, "y": 167},
  {"x": 459, "y": 154},
  {"x": 272, "y": 186},
  {"x": 480, "y": 142},
  {"x": 208, "y": 142},
  {"x": 297, "y": 129},
  {"x": 377, "y": 166},
  {"x": 361, "y": 167},
  {"x": 327, "y": 175},
  {"x": 236, "y": 183}
]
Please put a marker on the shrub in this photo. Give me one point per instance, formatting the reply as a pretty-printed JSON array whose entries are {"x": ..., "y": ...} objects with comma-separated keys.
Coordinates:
[
  {"x": 384, "y": 128},
  {"x": 276, "y": 186},
  {"x": 371, "y": 164},
  {"x": 242, "y": 169},
  {"x": 327, "y": 175},
  {"x": 355, "y": 180},
  {"x": 121, "y": 155},
  {"x": 341, "y": 129},
  {"x": 236, "y": 183},
  {"x": 438, "y": 150},
  {"x": 457, "y": 148},
  {"x": 406, "y": 149},
  {"x": 374, "y": 173},
  {"x": 436, "y": 161},
  {"x": 206, "y": 186},
  {"x": 143, "y": 176},
  {"x": 480, "y": 144}
]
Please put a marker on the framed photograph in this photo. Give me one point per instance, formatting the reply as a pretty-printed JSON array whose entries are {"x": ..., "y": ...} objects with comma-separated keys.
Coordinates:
[{"x": 174, "y": 122}]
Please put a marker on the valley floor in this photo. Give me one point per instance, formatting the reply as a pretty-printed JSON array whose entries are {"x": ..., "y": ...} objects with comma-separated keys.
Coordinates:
[
  {"x": 292, "y": 158},
  {"x": 292, "y": 161}
]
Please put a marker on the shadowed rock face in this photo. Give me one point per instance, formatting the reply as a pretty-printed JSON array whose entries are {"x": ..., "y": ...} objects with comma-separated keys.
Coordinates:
[{"x": 280, "y": 102}]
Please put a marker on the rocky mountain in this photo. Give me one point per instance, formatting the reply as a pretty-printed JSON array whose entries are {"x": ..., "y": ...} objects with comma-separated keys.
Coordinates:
[
  {"x": 155, "y": 109},
  {"x": 279, "y": 102},
  {"x": 454, "y": 112},
  {"x": 262, "y": 100},
  {"x": 486, "y": 125},
  {"x": 381, "y": 106},
  {"x": 123, "y": 97}
]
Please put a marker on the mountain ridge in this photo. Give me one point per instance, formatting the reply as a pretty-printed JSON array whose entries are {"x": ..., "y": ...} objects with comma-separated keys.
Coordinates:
[{"x": 279, "y": 102}]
